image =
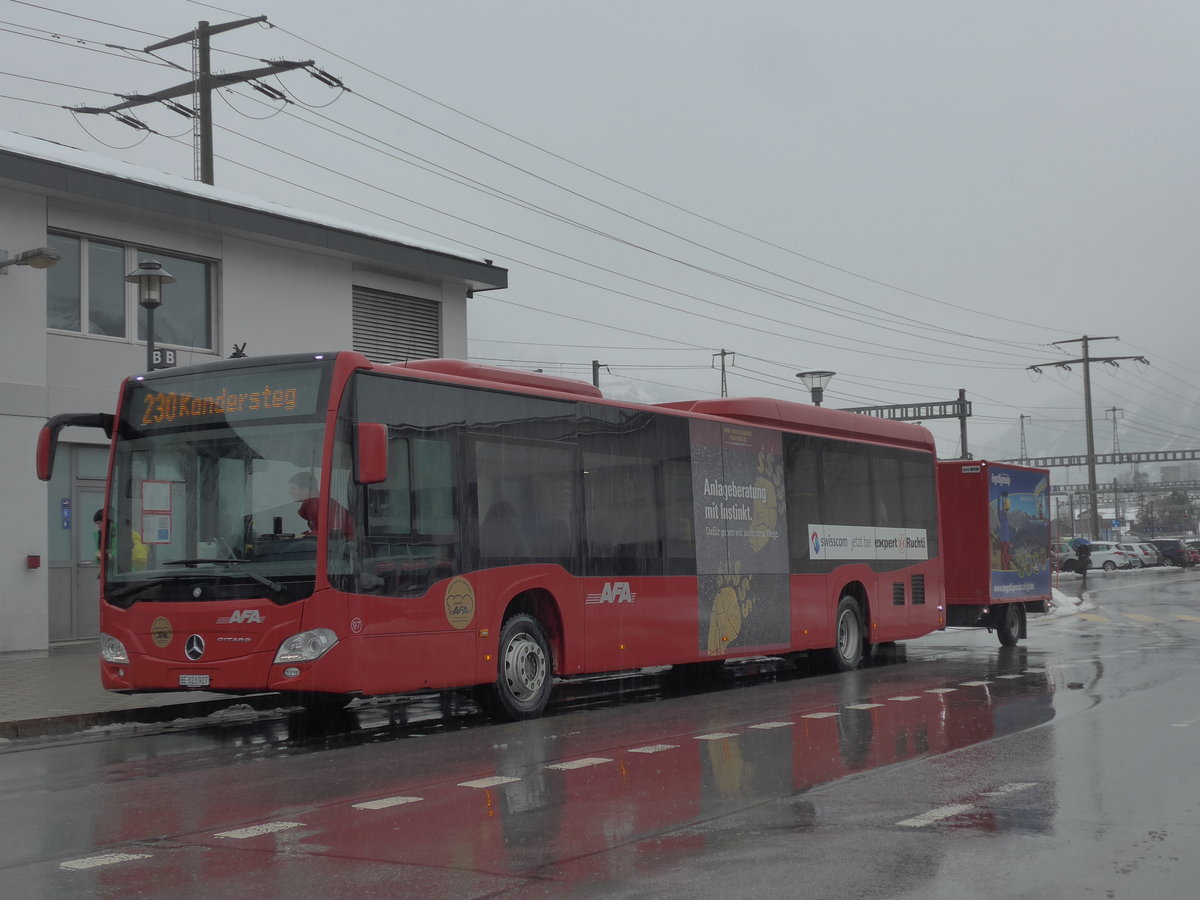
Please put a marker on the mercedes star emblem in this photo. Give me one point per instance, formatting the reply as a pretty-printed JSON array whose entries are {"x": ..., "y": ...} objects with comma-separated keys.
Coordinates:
[{"x": 194, "y": 648}]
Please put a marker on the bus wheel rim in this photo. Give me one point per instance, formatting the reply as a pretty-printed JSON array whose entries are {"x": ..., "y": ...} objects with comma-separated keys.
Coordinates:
[
  {"x": 847, "y": 635},
  {"x": 524, "y": 667}
]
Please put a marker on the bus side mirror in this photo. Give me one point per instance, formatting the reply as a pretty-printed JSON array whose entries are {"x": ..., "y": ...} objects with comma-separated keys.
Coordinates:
[
  {"x": 371, "y": 448},
  {"x": 48, "y": 437}
]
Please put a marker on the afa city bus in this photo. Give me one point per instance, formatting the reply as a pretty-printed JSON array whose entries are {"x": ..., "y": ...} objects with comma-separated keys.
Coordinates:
[{"x": 489, "y": 528}]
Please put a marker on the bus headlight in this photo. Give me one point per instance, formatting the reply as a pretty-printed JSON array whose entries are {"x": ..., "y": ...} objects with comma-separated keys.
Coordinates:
[
  {"x": 306, "y": 646},
  {"x": 112, "y": 650}
]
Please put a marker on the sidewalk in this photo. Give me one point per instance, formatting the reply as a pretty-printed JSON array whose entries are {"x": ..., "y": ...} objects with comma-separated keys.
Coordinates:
[{"x": 58, "y": 692}]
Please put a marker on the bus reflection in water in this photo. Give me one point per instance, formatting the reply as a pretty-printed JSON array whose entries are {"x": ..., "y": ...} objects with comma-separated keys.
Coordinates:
[{"x": 651, "y": 801}]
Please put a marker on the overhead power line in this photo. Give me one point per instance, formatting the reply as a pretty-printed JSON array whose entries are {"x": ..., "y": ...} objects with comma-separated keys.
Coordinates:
[
  {"x": 201, "y": 86},
  {"x": 1087, "y": 361}
]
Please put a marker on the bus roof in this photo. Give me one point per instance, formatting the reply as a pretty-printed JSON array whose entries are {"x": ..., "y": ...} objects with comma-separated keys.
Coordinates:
[{"x": 834, "y": 423}]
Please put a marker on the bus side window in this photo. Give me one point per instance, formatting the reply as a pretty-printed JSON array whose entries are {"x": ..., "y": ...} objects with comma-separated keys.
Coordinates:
[{"x": 502, "y": 536}]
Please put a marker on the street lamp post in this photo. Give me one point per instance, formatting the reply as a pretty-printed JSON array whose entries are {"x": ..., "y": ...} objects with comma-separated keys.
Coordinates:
[
  {"x": 150, "y": 276},
  {"x": 815, "y": 382}
]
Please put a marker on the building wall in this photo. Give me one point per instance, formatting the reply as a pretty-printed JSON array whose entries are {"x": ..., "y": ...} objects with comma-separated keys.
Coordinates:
[
  {"x": 23, "y": 623},
  {"x": 275, "y": 298}
]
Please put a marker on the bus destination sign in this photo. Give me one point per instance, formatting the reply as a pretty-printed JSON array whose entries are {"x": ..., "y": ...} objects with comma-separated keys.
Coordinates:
[{"x": 223, "y": 397}]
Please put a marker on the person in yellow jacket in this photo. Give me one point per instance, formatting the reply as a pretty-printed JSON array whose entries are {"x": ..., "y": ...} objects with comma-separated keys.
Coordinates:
[{"x": 139, "y": 553}]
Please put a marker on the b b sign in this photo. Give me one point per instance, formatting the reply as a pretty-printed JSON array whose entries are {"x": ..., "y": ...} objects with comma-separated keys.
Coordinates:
[{"x": 164, "y": 359}]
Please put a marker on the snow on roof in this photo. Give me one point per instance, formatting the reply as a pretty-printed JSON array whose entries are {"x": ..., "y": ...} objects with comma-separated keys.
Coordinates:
[{"x": 51, "y": 151}]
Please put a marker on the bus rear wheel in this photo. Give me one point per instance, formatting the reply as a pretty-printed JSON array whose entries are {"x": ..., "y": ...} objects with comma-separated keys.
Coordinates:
[
  {"x": 846, "y": 655},
  {"x": 525, "y": 677}
]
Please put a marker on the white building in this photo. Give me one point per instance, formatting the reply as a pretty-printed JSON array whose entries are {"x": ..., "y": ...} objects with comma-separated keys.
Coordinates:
[{"x": 252, "y": 273}]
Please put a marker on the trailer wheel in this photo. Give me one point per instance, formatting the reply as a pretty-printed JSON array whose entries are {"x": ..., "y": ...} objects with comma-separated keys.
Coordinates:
[
  {"x": 1009, "y": 622},
  {"x": 847, "y": 653},
  {"x": 525, "y": 674}
]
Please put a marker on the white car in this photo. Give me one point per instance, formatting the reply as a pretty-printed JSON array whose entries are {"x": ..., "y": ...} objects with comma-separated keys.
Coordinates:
[
  {"x": 1143, "y": 554},
  {"x": 1108, "y": 555}
]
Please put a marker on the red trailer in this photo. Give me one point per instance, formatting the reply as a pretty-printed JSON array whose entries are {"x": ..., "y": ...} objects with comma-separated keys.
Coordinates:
[{"x": 995, "y": 523}]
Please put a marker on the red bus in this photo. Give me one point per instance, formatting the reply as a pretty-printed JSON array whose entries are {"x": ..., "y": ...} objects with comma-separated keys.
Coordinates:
[{"x": 489, "y": 528}]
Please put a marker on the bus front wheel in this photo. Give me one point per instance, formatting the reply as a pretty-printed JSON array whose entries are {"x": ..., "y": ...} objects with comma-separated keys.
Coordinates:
[
  {"x": 525, "y": 675},
  {"x": 847, "y": 653}
]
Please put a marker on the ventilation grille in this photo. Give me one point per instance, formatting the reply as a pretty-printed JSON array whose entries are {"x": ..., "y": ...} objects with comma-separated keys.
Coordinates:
[
  {"x": 897, "y": 593},
  {"x": 918, "y": 590},
  {"x": 391, "y": 328}
]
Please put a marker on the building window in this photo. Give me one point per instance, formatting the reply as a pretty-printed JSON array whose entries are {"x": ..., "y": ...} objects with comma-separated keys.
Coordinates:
[
  {"x": 87, "y": 293},
  {"x": 393, "y": 328}
]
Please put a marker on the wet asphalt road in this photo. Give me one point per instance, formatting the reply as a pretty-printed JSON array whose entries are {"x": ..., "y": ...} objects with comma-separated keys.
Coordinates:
[{"x": 1063, "y": 767}]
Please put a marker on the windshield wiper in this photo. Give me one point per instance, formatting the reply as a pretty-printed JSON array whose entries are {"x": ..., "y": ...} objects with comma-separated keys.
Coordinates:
[
  {"x": 132, "y": 589},
  {"x": 228, "y": 563}
]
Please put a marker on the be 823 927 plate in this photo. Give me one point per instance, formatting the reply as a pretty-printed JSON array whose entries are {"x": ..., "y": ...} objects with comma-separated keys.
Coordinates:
[{"x": 194, "y": 680}]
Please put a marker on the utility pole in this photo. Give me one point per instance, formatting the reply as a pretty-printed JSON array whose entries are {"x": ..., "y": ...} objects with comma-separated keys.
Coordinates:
[
  {"x": 1115, "y": 410},
  {"x": 724, "y": 353},
  {"x": 203, "y": 83},
  {"x": 596, "y": 364},
  {"x": 964, "y": 410},
  {"x": 1087, "y": 359},
  {"x": 1024, "y": 449}
]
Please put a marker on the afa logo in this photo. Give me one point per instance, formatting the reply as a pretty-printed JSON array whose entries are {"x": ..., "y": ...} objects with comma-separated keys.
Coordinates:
[
  {"x": 242, "y": 617},
  {"x": 816, "y": 544},
  {"x": 459, "y": 601},
  {"x": 613, "y": 592}
]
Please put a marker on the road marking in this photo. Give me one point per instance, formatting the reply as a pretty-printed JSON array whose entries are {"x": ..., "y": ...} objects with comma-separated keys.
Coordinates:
[
  {"x": 1009, "y": 677},
  {"x": 902, "y": 699},
  {"x": 973, "y": 683},
  {"x": 936, "y": 815},
  {"x": 1092, "y": 617},
  {"x": 240, "y": 834},
  {"x": 1139, "y": 617},
  {"x": 715, "y": 736},
  {"x": 655, "y": 748},
  {"x": 1188, "y": 618},
  {"x": 864, "y": 706},
  {"x": 1010, "y": 788},
  {"x": 494, "y": 781},
  {"x": 580, "y": 763},
  {"x": 386, "y": 803},
  {"x": 820, "y": 715},
  {"x": 766, "y": 725},
  {"x": 941, "y": 690},
  {"x": 104, "y": 859}
]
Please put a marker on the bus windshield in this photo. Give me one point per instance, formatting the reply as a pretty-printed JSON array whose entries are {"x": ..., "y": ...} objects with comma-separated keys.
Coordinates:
[{"x": 218, "y": 503}]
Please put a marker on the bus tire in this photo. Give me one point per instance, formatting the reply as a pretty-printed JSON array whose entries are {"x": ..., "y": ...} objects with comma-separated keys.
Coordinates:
[
  {"x": 846, "y": 655},
  {"x": 1008, "y": 624},
  {"x": 526, "y": 673}
]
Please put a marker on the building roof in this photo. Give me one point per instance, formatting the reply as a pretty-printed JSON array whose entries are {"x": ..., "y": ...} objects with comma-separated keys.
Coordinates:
[{"x": 68, "y": 172}]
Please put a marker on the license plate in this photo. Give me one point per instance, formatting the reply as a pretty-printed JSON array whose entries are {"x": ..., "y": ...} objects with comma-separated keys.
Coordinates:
[{"x": 194, "y": 681}]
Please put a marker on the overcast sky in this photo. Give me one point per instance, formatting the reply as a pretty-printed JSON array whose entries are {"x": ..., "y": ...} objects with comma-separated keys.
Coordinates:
[{"x": 920, "y": 196}]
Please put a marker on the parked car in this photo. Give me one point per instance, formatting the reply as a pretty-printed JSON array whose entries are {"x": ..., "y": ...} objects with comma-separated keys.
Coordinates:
[
  {"x": 1142, "y": 555},
  {"x": 1107, "y": 555},
  {"x": 1063, "y": 556},
  {"x": 1151, "y": 555},
  {"x": 1175, "y": 552}
]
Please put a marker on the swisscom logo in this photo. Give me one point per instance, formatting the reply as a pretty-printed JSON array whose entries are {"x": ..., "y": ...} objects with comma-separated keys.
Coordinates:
[{"x": 816, "y": 544}]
